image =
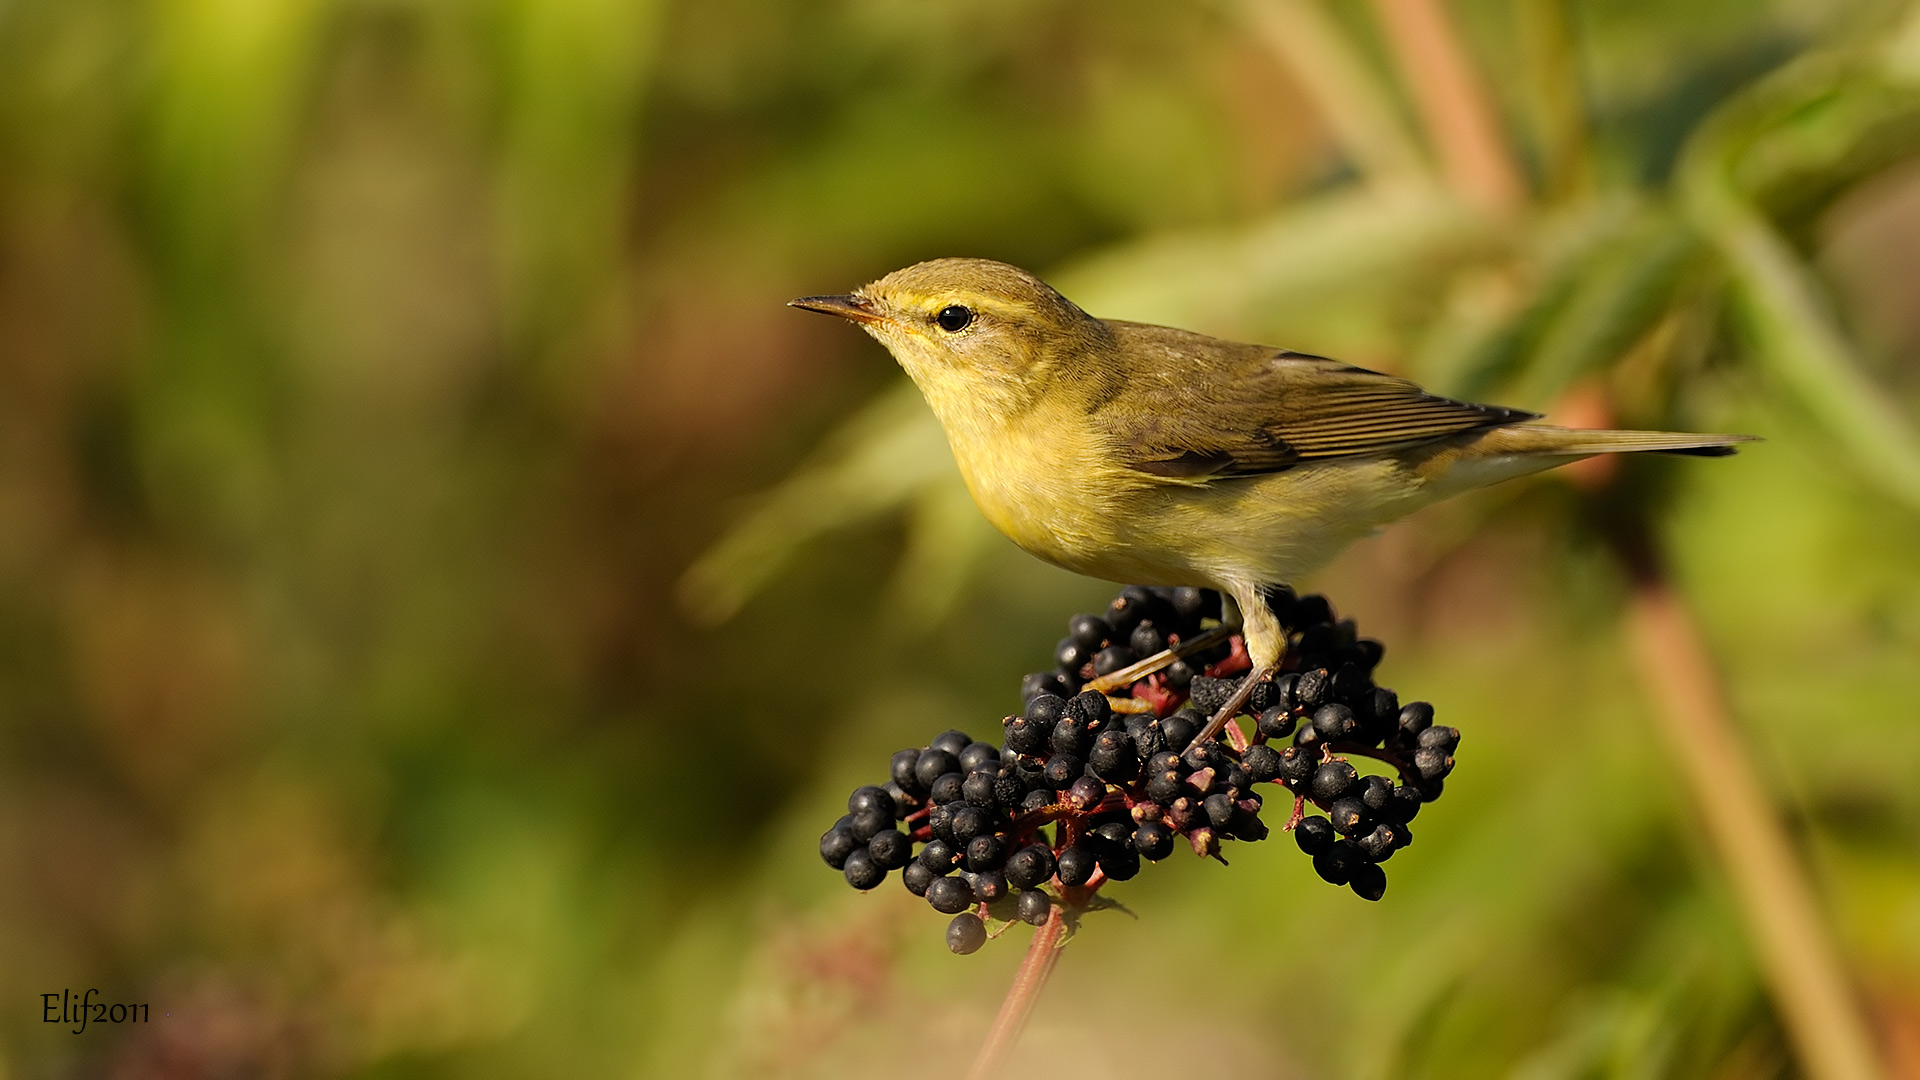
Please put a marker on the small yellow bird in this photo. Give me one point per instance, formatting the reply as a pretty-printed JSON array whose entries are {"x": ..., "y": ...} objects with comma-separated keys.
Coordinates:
[{"x": 1156, "y": 456}]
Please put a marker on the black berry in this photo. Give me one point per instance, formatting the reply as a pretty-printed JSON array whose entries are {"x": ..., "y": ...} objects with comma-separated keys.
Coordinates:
[
  {"x": 1034, "y": 907},
  {"x": 862, "y": 872},
  {"x": 966, "y": 933},
  {"x": 950, "y": 895},
  {"x": 835, "y": 845},
  {"x": 1030, "y": 867}
]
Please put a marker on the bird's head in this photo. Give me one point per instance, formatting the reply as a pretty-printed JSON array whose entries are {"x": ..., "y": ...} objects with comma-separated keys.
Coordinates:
[{"x": 969, "y": 326}]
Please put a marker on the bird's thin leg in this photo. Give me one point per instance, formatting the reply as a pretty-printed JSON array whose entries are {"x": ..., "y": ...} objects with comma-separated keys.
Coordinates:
[{"x": 1240, "y": 695}]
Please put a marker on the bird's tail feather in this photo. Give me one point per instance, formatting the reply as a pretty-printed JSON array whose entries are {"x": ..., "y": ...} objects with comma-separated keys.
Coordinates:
[{"x": 1547, "y": 439}]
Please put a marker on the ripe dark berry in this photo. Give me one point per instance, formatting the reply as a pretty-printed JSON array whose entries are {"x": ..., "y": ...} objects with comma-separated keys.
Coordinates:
[
  {"x": 985, "y": 853},
  {"x": 1219, "y": 810},
  {"x": 1164, "y": 787},
  {"x": 1149, "y": 738},
  {"x": 1089, "y": 632},
  {"x": 1112, "y": 659},
  {"x": 1377, "y": 845},
  {"x": 988, "y": 885},
  {"x": 1298, "y": 763},
  {"x": 978, "y": 756},
  {"x": 950, "y": 895},
  {"x": 1063, "y": 770},
  {"x": 1416, "y": 717},
  {"x": 1431, "y": 789},
  {"x": 1193, "y": 604},
  {"x": 1085, "y": 793},
  {"x": 1276, "y": 722},
  {"x": 869, "y": 796},
  {"x": 949, "y": 788},
  {"x": 1181, "y": 727},
  {"x": 1070, "y": 736},
  {"x": 1349, "y": 816},
  {"x": 1402, "y": 806},
  {"x": 1008, "y": 789},
  {"x": 1262, "y": 763},
  {"x": 1030, "y": 867},
  {"x": 1147, "y": 639},
  {"x": 1153, "y": 840},
  {"x": 1351, "y": 683},
  {"x": 1034, "y": 907},
  {"x": 978, "y": 789},
  {"x": 1070, "y": 656},
  {"x": 1132, "y": 605},
  {"x": 1042, "y": 683},
  {"x": 1383, "y": 710},
  {"x": 1308, "y": 737},
  {"x": 1090, "y": 708},
  {"x": 862, "y": 872},
  {"x": 1431, "y": 762},
  {"x": 1047, "y": 709},
  {"x": 1369, "y": 882},
  {"x": 939, "y": 857},
  {"x": 890, "y": 849},
  {"x": 902, "y": 772},
  {"x": 940, "y": 821},
  {"x": 952, "y": 740},
  {"x": 966, "y": 933},
  {"x": 1377, "y": 793},
  {"x": 1311, "y": 610},
  {"x": 835, "y": 845},
  {"x": 1248, "y": 827},
  {"x": 1027, "y": 736},
  {"x": 1438, "y": 738},
  {"x": 1336, "y": 864},
  {"x": 933, "y": 765},
  {"x": 1208, "y": 695},
  {"x": 1310, "y": 692},
  {"x": 1038, "y": 799},
  {"x": 969, "y": 822},
  {"x": 1075, "y": 865},
  {"x": 1180, "y": 674},
  {"x": 1314, "y": 834},
  {"x": 903, "y": 803},
  {"x": 1331, "y": 780},
  {"x": 1114, "y": 756},
  {"x": 917, "y": 877},
  {"x": 1120, "y": 863},
  {"x": 870, "y": 821},
  {"x": 1334, "y": 722}
]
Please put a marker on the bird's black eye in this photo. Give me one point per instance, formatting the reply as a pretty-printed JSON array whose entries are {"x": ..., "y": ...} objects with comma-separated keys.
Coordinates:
[{"x": 953, "y": 318}]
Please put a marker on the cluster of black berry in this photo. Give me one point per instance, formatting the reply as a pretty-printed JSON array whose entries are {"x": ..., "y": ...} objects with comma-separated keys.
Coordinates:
[{"x": 1088, "y": 782}]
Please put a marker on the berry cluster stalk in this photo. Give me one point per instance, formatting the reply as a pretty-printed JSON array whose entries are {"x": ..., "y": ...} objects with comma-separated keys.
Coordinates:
[
  {"x": 1797, "y": 955},
  {"x": 1035, "y": 969}
]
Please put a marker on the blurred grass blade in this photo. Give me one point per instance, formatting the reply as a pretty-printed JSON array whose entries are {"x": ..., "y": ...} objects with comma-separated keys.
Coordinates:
[
  {"x": 1618, "y": 294},
  {"x": 1768, "y": 135},
  {"x": 1230, "y": 281},
  {"x": 879, "y": 461},
  {"x": 1356, "y": 108}
]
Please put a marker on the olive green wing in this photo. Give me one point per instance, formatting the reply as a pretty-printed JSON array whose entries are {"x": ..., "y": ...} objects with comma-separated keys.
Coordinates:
[{"x": 1244, "y": 416}]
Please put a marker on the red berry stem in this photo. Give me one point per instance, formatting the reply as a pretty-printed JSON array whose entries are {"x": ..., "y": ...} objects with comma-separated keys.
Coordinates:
[{"x": 1035, "y": 969}]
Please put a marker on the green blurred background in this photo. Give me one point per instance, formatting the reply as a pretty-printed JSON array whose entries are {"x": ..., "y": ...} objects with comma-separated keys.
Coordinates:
[{"x": 373, "y": 372}]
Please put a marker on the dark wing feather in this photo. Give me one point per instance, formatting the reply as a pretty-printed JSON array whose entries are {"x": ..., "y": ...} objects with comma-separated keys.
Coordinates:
[{"x": 1222, "y": 410}]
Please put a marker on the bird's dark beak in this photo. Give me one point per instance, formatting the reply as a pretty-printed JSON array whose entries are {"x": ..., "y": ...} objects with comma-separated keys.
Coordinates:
[{"x": 857, "y": 308}]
